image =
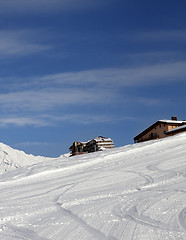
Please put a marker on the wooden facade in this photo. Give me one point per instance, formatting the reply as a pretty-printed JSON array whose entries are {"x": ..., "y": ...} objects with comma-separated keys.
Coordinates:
[
  {"x": 176, "y": 130},
  {"x": 77, "y": 148},
  {"x": 159, "y": 129}
]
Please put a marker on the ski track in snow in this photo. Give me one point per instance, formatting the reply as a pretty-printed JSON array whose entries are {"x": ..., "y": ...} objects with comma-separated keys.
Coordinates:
[{"x": 136, "y": 192}]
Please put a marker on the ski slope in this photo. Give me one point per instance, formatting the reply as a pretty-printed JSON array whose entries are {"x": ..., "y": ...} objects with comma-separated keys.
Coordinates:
[{"x": 136, "y": 192}]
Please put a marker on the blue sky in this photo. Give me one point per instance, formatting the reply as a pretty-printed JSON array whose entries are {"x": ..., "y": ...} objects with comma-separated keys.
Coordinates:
[{"x": 72, "y": 70}]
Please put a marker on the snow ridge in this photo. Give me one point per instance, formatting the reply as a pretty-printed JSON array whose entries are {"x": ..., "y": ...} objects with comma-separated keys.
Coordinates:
[{"x": 11, "y": 159}]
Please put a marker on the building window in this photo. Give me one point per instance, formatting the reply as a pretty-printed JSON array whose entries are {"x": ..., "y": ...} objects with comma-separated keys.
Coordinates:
[{"x": 160, "y": 125}]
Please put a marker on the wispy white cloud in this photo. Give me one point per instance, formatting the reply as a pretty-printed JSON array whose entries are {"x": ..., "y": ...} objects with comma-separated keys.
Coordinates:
[
  {"x": 42, "y": 6},
  {"x": 47, "y": 99},
  {"x": 33, "y": 102},
  {"x": 96, "y": 87},
  {"x": 23, "y": 121},
  {"x": 117, "y": 77},
  {"x": 43, "y": 120},
  {"x": 20, "y": 43}
]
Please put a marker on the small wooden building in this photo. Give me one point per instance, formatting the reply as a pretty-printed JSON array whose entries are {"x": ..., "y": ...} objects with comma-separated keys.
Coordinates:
[
  {"x": 159, "y": 129},
  {"x": 77, "y": 148}
]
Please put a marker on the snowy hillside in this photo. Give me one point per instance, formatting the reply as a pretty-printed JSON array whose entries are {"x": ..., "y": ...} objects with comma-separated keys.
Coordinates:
[
  {"x": 11, "y": 159},
  {"x": 136, "y": 192}
]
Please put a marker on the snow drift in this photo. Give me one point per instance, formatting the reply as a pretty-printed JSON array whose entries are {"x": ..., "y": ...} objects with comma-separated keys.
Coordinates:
[{"x": 136, "y": 192}]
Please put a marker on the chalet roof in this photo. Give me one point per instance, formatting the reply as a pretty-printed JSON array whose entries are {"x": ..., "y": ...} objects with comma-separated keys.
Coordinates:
[
  {"x": 156, "y": 124},
  {"x": 172, "y": 121},
  {"x": 100, "y": 138}
]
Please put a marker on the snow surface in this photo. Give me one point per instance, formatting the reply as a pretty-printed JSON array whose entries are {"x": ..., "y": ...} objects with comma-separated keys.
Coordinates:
[
  {"x": 136, "y": 192},
  {"x": 11, "y": 159}
]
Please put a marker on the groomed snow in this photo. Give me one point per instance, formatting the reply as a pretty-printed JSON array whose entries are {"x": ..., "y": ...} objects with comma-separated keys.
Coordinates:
[{"x": 136, "y": 192}]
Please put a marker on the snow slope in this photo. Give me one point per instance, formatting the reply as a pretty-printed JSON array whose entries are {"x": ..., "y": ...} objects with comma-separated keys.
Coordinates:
[
  {"x": 11, "y": 159},
  {"x": 136, "y": 192}
]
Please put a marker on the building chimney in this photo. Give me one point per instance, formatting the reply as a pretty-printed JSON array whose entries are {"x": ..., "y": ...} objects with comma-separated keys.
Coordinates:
[{"x": 174, "y": 118}]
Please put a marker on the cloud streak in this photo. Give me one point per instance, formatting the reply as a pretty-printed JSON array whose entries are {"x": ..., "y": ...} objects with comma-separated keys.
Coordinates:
[
  {"x": 117, "y": 77},
  {"x": 32, "y": 101},
  {"x": 16, "y": 43},
  {"x": 23, "y": 121},
  {"x": 47, "y": 6},
  {"x": 108, "y": 78},
  {"x": 97, "y": 87},
  {"x": 43, "y": 120},
  {"x": 49, "y": 99}
]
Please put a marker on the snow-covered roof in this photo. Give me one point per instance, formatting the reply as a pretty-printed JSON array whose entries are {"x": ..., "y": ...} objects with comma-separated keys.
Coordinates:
[
  {"x": 100, "y": 138},
  {"x": 172, "y": 121}
]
